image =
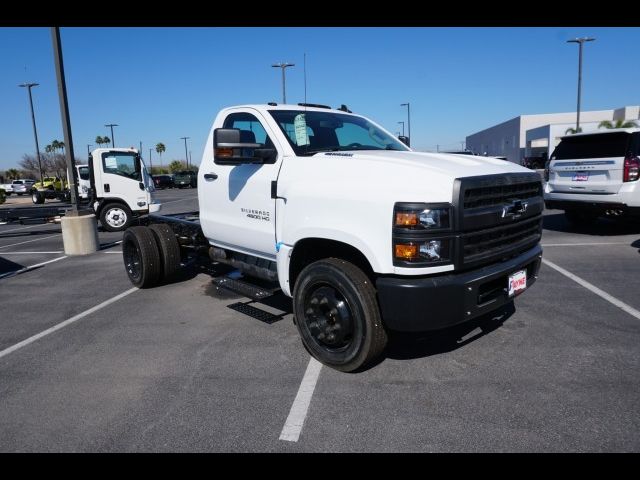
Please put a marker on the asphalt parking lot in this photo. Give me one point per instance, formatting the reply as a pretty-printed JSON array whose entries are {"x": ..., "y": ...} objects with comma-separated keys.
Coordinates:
[{"x": 174, "y": 369}]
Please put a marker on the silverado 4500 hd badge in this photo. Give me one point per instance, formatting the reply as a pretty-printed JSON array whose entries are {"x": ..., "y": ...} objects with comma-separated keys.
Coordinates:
[{"x": 256, "y": 214}]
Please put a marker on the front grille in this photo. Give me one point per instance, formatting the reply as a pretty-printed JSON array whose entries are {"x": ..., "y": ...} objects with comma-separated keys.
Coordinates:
[
  {"x": 488, "y": 196},
  {"x": 503, "y": 241}
]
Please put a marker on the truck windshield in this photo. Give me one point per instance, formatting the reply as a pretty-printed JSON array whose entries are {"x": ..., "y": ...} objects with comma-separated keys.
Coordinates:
[{"x": 312, "y": 132}]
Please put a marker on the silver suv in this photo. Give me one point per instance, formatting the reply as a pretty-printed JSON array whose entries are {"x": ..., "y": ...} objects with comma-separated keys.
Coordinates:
[{"x": 594, "y": 174}]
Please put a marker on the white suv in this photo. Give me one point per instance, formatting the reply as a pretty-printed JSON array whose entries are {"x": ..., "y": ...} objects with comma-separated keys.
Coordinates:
[{"x": 595, "y": 174}]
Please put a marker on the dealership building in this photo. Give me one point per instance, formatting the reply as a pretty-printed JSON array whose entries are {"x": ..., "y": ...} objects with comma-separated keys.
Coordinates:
[{"x": 538, "y": 135}]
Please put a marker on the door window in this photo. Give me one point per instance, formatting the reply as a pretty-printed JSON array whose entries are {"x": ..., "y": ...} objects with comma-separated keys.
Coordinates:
[
  {"x": 121, "y": 163},
  {"x": 251, "y": 130}
]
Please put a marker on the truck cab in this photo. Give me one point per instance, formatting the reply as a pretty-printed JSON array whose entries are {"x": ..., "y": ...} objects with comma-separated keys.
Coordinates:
[
  {"x": 121, "y": 186},
  {"x": 366, "y": 235}
]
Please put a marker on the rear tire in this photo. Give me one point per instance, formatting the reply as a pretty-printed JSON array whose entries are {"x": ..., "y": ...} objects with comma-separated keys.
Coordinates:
[
  {"x": 337, "y": 314},
  {"x": 141, "y": 257},
  {"x": 168, "y": 248},
  {"x": 115, "y": 217}
]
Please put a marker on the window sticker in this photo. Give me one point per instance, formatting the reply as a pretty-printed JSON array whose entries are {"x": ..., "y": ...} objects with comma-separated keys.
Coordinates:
[
  {"x": 111, "y": 162},
  {"x": 300, "y": 125}
]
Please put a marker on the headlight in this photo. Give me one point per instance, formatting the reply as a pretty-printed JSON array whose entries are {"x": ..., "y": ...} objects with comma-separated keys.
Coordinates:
[
  {"x": 422, "y": 216},
  {"x": 427, "y": 251}
]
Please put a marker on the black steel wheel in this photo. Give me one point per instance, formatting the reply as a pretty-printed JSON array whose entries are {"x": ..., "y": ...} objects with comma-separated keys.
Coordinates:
[
  {"x": 169, "y": 249},
  {"x": 141, "y": 257},
  {"x": 337, "y": 314}
]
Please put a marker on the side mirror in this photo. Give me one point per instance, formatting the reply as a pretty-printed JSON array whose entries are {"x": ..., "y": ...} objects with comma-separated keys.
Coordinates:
[
  {"x": 404, "y": 140},
  {"x": 229, "y": 150}
]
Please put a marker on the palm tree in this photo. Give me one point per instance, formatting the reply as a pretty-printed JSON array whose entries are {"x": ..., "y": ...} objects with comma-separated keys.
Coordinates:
[
  {"x": 159, "y": 149},
  {"x": 13, "y": 173},
  {"x": 573, "y": 130},
  {"x": 99, "y": 140},
  {"x": 619, "y": 124},
  {"x": 106, "y": 140}
]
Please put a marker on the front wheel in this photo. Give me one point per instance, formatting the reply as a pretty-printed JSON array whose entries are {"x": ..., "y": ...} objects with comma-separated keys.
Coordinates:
[
  {"x": 337, "y": 314},
  {"x": 115, "y": 217},
  {"x": 37, "y": 197}
]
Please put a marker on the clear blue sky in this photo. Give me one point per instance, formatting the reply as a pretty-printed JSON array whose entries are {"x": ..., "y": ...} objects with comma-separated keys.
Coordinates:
[{"x": 160, "y": 84}]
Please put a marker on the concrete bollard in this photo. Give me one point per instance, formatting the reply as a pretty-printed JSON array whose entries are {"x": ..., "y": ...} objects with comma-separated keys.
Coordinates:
[{"x": 80, "y": 234}]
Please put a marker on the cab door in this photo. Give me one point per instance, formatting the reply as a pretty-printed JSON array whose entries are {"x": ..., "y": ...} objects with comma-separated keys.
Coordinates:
[
  {"x": 121, "y": 177},
  {"x": 236, "y": 208}
]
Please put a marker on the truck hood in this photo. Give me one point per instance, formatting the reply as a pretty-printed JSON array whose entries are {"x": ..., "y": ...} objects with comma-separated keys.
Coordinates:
[
  {"x": 444, "y": 163},
  {"x": 411, "y": 174}
]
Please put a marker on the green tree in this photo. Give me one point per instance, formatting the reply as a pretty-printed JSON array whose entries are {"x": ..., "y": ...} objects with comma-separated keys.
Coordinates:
[
  {"x": 13, "y": 173},
  {"x": 99, "y": 140},
  {"x": 573, "y": 130},
  {"x": 106, "y": 140},
  {"x": 176, "y": 166},
  {"x": 619, "y": 124},
  {"x": 160, "y": 148}
]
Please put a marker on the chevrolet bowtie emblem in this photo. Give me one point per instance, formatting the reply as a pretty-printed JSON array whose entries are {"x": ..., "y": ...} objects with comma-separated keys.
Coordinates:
[{"x": 515, "y": 210}]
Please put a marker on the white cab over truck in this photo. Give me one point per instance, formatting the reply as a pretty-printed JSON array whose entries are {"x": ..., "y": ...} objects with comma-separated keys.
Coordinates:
[
  {"x": 363, "y": 233},
  {"x": 116, "y": 183}
]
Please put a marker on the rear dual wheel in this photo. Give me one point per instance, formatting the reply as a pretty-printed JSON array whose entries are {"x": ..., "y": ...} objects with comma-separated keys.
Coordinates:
[{"x": 150, "y": 254}]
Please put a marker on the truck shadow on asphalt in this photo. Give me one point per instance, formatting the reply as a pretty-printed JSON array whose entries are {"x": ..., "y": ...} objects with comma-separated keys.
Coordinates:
[
  {"x": 405, "y": 346},
  {"x": 7, "y": 266},
  {"x": 602, "y": 227}
]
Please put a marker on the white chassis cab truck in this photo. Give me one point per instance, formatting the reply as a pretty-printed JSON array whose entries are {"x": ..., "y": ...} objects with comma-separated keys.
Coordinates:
[
  {"x": 115, "y": 183},
  {"x": 363, "y": 233}
]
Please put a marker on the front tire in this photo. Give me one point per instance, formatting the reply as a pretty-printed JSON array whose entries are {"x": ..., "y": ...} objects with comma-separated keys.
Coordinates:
[
  {"x": 337, "y": 314},
  {"x": 141, "y": 257},
  {"x": 37, "y": 197},
  {"x": 115, "y": 217}
]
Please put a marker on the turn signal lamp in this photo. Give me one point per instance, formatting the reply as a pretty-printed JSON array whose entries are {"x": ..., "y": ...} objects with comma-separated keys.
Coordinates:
[{"x": 406, "y": 251}]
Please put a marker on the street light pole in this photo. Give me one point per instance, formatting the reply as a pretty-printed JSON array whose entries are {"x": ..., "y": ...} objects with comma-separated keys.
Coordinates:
[
  {"x": 580, "y": 42},
  {"x": 89, "y": 150},
  {"x": 150, "y": 161},
  {"x": 72, "y": 174},
  {"x": 28, "y": 86},
  {"x": 186, "y": 155},
  {"x": 283, "y": 65},
  {"x": 402, "y": 128},
  {"x": 113, "y": 140},
  {"x": 408, "y": 120}
]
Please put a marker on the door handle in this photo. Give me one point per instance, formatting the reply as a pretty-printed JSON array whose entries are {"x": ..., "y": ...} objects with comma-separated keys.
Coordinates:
[{"x": 210, "y": 177}]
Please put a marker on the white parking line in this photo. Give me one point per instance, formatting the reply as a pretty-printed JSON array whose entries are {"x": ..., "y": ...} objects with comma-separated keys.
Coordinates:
[
  {"x": 30, "y": 267},
  {"x": 69, "y": 321},
  {"x": 582, "y": 244},
  {"x": 618, "y": 303},
  {"x": 297, "y": 414},
  {"x": 29, "y": 241}
]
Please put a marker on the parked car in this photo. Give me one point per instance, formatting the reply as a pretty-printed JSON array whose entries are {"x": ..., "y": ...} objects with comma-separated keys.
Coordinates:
[
  {"x": 595, "y": 174},
  {"x": 7, "y": 187},
  {"x": 51, "y": 183},
  {"x": 163, "y": 181},
  {"x": 534, "y": 163},
  {"x": 23, "y": 186},
  {"x": 186, "y": 178}
]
